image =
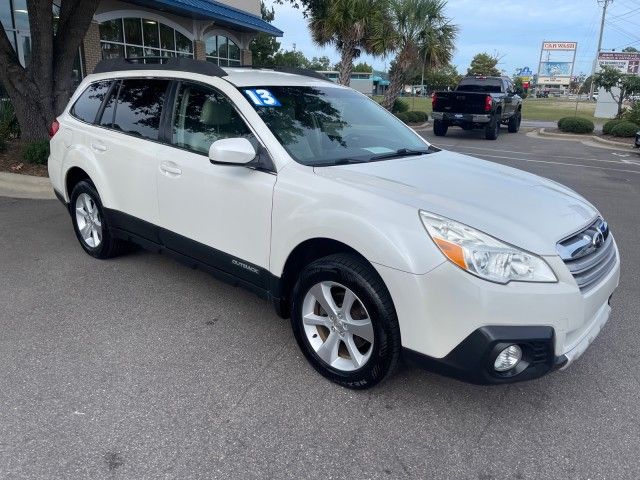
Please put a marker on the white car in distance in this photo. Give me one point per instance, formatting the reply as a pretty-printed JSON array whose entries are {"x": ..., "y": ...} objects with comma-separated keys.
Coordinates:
[{"x": 372, "y": 241}]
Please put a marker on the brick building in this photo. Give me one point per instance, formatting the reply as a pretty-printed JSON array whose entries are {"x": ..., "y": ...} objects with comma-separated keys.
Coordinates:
[{"x": 217, "y": 31}]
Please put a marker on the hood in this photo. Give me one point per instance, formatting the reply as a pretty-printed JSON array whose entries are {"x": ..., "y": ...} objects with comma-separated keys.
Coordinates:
[{"x": 516, "y": 207}]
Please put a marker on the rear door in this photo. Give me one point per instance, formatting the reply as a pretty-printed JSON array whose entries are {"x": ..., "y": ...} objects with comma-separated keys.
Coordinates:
[{"x": 127, "y": 147}]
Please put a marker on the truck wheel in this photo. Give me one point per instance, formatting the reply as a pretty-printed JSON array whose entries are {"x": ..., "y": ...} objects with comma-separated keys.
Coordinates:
[
  {"x": 514, "y": 122},
  {"x": 492, "y": 130},
  {"x": 440, "y": 128},
  {"x": 344, "y": 321}
]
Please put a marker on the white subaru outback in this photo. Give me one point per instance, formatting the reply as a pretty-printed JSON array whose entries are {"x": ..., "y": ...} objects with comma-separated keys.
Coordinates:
[{"x": 373, "y": 242}]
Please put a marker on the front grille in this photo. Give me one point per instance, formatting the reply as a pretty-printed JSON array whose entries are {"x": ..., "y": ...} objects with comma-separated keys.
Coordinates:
[{"x": 589, "y": 254}]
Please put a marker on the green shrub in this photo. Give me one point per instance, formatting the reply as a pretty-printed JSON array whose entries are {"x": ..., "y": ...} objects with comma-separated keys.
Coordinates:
[
  {"x": 37, "y": 152},
  {"x": 575, "y": 125},
  {"x": 633, "y": 114},
  {"x": 417, "y": 116},
  {"x": 9, "y": 127},
  {"x": 607, "y": 127},
  {"x": 3, "y": 144},
  {"x": 625, "y": 129},
  {"x": 403, "y": 116},
  {"x": 399, "y": 106}
]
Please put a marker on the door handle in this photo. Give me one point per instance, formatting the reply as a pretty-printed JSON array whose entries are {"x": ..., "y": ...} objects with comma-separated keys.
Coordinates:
[
  {"x": 170, "y": 169},
  {"x": 98, "y": 147}
]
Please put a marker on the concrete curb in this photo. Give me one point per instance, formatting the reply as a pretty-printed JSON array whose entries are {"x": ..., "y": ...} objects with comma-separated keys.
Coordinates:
[
  {"x": 594, "y": 138},
  {"x": 25, "y": 186}
]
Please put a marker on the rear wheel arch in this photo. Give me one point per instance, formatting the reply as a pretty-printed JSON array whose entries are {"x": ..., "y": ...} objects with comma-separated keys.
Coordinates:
[{"x": 74, "y": 176}]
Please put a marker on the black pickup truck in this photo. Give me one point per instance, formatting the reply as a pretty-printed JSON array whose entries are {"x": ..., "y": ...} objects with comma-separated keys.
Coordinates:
[{"x": 478, "y": 102}]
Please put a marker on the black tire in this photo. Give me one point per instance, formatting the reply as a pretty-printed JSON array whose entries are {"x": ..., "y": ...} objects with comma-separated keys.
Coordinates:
[
  {"x": 440, "y": 128},
  {"x": 492, "y": 130},
  {"x": 109, "y": 246},
  {"x": 357, "y": 275},
  {"x": 514, "y": 122}
]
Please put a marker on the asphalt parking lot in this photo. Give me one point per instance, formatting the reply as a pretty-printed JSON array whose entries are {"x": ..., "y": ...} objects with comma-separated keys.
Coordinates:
[{"x": 140, "y": 367}]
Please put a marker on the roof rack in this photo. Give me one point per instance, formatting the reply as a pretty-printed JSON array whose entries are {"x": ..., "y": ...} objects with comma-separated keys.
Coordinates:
[
  {"x": 293, "y": 70},
  {"x": 177, "y": 64}
]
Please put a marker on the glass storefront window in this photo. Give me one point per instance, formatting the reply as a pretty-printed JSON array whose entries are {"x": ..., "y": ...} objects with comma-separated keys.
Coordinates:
[
  {"x": 5, "y": 16},
  {"x": 222, "y": 51},
  {"x": 151, "y": 33},
  {"x": 111, "y": 31},
  {"x": 167, "y": 38},
  {"x": 132, "y": 31},
  {"x": 140, "y": 37},
  {"x": 21, "y": 14}
]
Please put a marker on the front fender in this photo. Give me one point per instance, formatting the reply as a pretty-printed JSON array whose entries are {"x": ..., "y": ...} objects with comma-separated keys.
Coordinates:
[{"x": 385, "y": 232}]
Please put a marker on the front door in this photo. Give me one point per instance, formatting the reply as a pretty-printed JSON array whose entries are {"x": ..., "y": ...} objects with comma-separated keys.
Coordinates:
[{"x": 217, "y": 214}]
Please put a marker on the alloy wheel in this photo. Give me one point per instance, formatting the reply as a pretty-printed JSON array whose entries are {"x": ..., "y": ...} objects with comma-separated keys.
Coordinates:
[
  {"x": 337, "y": 326},
  {"x": 88, "y": 220}
]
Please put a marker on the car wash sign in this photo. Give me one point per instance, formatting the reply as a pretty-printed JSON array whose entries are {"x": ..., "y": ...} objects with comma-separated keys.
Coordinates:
[{"x": 560, "y": 46}]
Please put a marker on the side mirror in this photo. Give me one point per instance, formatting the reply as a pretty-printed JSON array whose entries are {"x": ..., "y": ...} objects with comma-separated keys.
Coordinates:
[{"x": 232, "y": 151}]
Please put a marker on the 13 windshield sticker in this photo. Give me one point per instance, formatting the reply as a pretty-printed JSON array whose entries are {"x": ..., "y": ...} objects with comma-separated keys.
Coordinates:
[{"x": 262, "y": 97}]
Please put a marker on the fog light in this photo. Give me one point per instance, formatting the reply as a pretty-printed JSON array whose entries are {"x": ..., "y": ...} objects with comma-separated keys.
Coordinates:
[{"x": 508, "y": 358}]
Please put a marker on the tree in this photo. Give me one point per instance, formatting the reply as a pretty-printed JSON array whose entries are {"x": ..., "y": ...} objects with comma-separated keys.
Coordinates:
[
  {"x": 421, "y": 33},
  {"x": 290, "y": 58},
  {"x": 41, "y": 89},
  {"x": 630, "y": 49},
  {"x": 363, "y": 67},
  {"x": 264, "y": 46},
  {"x": 352, "y": 26},
  {"x": 585, "y": 87},
  {"x": 441, "y": 78},
  {"x": 626, "y": 85},
  {"x": 320, "y": 63},
  {"x": 483, "y": 64}
]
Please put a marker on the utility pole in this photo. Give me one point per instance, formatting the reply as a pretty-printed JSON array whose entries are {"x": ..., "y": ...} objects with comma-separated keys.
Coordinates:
[{"x": 605, "y": 4}]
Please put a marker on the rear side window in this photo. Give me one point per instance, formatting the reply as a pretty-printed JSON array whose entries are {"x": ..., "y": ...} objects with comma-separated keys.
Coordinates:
[
  {"x": 87, "y": 106},
  {"x": 139, "y": 107}
]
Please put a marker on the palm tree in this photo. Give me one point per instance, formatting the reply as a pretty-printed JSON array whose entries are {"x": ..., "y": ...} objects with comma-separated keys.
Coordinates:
[
  {"x": 422, "y": 34},
  {"x": 352, "y": 26}
]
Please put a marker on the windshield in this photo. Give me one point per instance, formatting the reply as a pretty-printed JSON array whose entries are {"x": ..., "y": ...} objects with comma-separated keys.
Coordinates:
[{"x": 322, "y": 126}]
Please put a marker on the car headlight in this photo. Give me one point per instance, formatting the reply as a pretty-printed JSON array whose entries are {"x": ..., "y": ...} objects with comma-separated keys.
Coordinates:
[{"x": 483, "y": 255}]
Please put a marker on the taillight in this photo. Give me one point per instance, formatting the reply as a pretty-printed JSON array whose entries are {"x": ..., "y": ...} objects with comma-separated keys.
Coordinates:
[
  {"x": 434, "y": 101},
  {"x": 488, "y": 103},
  {"x": 53, "y": 129}
]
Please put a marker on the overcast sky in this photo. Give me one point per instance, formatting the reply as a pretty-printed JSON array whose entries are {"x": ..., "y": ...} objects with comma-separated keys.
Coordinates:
[{"x": 507, "y": 28}]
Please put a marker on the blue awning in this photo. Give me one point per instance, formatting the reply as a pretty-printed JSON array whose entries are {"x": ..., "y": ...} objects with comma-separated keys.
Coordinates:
[{"x": 210, "y": 10}]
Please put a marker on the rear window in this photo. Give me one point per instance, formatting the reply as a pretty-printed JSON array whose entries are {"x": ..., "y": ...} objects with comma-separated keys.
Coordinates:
[
  {"x": 139, "y": 107},
  {"x": 485, "y": 85},
  {"x": 87, "y": 106}
]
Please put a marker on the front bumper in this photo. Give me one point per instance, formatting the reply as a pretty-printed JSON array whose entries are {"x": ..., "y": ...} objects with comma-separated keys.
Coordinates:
[
  {"x": 453, "y": 322},
  {"x": 455, "y": 118}
]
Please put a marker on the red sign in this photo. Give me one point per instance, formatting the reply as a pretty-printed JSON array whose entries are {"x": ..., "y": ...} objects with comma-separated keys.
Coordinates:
[{"x": 525, "y": 85}]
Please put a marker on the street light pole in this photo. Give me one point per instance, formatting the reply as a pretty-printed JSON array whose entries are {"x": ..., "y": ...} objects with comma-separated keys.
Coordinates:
[{"x": 605, "y": 4}]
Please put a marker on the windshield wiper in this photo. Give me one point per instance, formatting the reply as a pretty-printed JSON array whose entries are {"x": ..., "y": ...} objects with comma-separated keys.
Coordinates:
[
  {"x": 402, "y": 152},
  {"x": 343, "y": 161}
]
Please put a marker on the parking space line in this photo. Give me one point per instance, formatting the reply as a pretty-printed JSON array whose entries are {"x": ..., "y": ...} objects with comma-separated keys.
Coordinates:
[
  {"x": 531, "y": 153},
  {"x": 561, "y": 163}
]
